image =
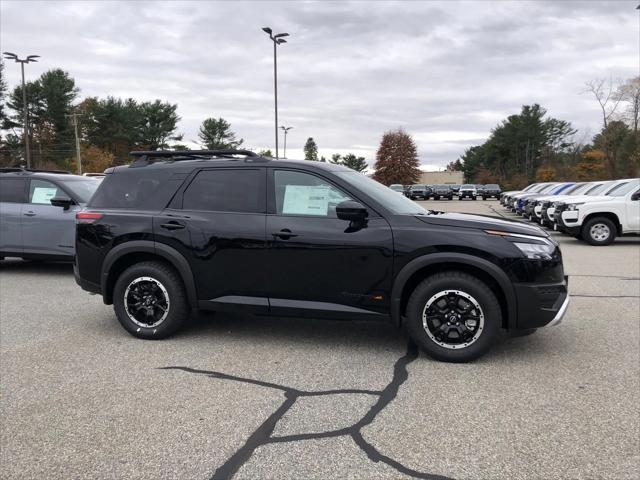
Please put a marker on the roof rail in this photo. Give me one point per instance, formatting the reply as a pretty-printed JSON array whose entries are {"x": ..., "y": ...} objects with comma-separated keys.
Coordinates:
[
  {"x": 147, "y": 157},
  {"x": 31, "y": 170}
]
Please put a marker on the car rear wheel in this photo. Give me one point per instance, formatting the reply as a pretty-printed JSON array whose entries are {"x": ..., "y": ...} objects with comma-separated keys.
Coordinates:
[
  {"x": 453, "y": 317},
  {"x": 150, "y": 301},
  {"x": 599, "y": 231}
]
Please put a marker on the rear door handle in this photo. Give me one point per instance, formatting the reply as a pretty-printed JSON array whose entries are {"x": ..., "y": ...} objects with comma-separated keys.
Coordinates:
[
  {"x": 172, "y": 226},
  {"x": 284, "y": 234},
  {"x": 30, "y": 214}
]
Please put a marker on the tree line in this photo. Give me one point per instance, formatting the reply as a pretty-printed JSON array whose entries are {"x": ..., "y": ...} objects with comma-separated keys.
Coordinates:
[{"x": 533, "y": 146}]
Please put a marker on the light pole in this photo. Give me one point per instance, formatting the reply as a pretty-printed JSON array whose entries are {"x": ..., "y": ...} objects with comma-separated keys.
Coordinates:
[
  {"x": 75, "y": 128},
  {"x": 30, "y": 58},
  {"x": 277, "y": 40},
  {"x": 285, "y": 130}
]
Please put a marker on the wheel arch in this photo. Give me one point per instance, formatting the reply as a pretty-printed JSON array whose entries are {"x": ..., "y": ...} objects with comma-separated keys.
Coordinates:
[
  {"x": 422, "y": 267},
  {"x": 127, "y": 254}
]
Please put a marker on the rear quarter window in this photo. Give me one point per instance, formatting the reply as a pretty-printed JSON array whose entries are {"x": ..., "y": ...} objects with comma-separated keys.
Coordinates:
[{"x": 141, "y": 188}]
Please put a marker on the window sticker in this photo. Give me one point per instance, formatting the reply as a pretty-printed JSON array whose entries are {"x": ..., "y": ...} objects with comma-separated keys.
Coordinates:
[
  {"x": 43, "y": 195},
  {"x": 306, "y": 200}
]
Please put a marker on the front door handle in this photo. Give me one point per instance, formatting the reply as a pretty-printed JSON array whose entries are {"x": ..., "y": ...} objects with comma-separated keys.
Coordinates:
[
  {"x": 30, "y": 214},
  {"x": 284, "y": 234},
  {"x": 172, "y": 226}
]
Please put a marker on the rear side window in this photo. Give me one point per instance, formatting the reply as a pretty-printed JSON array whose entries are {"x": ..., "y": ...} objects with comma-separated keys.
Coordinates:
[
  {"x": 222, "y": 190},
  {"x": 138, "y": 188},
  {"x": 12, "y": 190}
]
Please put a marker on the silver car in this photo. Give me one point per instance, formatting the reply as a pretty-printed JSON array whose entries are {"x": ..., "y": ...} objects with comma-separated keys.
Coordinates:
[{"x": 37, "y": 212}]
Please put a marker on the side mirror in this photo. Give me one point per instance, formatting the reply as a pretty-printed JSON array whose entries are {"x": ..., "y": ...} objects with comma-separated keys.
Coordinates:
[
  {"x": 636, "y": 196},
  {"x": 351, "y": 211},
  {"x": 61, "y": 202}
]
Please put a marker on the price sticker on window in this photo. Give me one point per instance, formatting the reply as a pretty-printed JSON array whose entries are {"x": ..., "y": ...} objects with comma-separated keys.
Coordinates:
[{"x": 306, "y": 200}]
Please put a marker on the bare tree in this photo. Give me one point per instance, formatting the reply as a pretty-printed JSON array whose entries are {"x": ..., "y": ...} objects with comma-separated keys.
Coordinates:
[
  {"x": 629, "y": 92},
  {"x": 605, "y": 93}
]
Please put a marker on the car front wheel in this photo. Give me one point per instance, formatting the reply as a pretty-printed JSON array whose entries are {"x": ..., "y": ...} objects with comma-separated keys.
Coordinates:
[
  {"x": 599, "y": 231},
  {"x": 453, "y": 317},
  {"x": 150, "y": 301}
]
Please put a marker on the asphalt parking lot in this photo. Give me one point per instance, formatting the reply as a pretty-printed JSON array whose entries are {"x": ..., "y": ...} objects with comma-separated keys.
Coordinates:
[{"x": 80, "y": 398}]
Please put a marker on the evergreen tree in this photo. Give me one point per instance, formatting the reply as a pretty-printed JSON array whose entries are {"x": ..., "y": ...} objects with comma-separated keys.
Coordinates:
[
  {"x": 311, "y": 150},
  {"x": 397, "y": 159},
  {"x": 158, "y": 125},
  {"x": 266, "y": 153},
  {"x": 217, "y": 134}
]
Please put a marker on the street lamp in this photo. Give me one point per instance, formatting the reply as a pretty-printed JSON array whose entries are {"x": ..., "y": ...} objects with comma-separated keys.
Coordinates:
[
  {"x": 285, "y": 130},
  {"x": 30, "y": 58},
  {"x": 277, "y": 40}
]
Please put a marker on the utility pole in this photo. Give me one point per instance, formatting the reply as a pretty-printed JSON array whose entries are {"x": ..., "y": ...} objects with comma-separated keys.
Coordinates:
[
  {"x": 277, "y": 40},
  {"x": 30, "y": 58},
  {"x": 285, "y": 130},
  {"x": 74, "y": 122}
]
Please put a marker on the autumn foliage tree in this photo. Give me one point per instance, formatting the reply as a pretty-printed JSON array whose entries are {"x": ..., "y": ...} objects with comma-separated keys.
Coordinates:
[{"x": 397, "y": 159}]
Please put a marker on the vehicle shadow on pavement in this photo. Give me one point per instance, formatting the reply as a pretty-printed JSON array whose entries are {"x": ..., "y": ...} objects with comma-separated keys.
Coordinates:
[{"x": 27, "y": 267}]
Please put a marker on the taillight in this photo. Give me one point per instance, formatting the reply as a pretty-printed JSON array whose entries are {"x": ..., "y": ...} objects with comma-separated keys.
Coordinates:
[{"x": 87, "y": 217}]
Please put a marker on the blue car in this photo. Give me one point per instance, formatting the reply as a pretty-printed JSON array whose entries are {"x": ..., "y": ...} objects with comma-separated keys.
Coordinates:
[{"x": 556, "y": 190}]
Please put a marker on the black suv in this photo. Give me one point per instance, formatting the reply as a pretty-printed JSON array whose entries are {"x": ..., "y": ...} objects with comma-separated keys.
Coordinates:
[
  {"x": 490, "y": 190},
  {"x": 420, "y": 191},
  {"x": 229, "y": 230}
]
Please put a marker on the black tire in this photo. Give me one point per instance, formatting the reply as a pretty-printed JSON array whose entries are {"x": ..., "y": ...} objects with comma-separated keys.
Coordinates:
[
  {"x": 460, "y": 199},
  {"x": 177, "y": 304},
  {"x": 438, "y": 284},
  {"x": 436, "y": 198},
  {"x": 594, "y": 231},
  {"x": 474, "y": 198},
  {"x": 484, "y": 198}
]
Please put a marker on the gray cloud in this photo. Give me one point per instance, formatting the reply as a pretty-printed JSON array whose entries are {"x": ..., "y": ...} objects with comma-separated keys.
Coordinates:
[{"x": 446, "y": 72}]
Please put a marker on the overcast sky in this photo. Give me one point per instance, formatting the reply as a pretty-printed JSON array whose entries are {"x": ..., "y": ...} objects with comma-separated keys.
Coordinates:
[{"x": 447, "y": 72}]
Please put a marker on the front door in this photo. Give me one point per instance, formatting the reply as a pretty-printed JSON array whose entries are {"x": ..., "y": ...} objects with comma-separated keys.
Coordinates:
[
  {"x": 318, "y": 264},
  {"x": 218, "y": 225},
  {"x": 47, "y": 230}
]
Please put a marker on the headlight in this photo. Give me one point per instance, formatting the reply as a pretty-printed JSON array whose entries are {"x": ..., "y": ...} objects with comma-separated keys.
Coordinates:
[
  {"x": 536, "y": 251},
  {"x": 532, "y": 247},
  {"x": 574, "y": 206}
]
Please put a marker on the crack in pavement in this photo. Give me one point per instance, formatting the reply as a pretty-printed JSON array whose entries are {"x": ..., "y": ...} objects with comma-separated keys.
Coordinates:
[{"x": 263, "y": 434}]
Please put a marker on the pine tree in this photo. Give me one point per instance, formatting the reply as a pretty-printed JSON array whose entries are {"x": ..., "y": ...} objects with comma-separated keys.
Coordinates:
[
  {"x": 397, "y": 159},
  {"x": 217, "y": 134},
  {"x": 311, "y": 150}
]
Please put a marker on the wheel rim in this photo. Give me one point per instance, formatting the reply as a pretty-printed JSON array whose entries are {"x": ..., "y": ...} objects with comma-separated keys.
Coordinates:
[
  {"x": 453, "y": 319},
  {"x": 146, "y": 302},
  {"x": 600, "y": 232}
]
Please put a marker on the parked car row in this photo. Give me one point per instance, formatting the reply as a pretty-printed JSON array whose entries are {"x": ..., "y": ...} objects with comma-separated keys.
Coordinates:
[
  {"x": 448, "y": 191},
  {"x": 596, "y": 212}
]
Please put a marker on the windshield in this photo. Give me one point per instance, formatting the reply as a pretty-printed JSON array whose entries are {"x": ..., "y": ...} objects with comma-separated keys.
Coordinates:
[
  {"x": 417, "y": 187},
  {"x": 531, "y": 187},
  {"x": 493, "y": 186},
  {"x": 622, "y": 189},
  {"x": 576, "y": 189},
  {"x": 396, "y": 187},
  {"x": 545, "y": 188},
  {"x": 596, "y": 189},
  {"x": 468, "y": 186},
  {"x": 397, "y": 204},
  {"x": 82, "y": 189}
]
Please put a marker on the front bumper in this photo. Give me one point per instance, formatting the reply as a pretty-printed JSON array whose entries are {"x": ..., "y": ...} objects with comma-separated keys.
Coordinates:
[{"x": 541, "y": 304}]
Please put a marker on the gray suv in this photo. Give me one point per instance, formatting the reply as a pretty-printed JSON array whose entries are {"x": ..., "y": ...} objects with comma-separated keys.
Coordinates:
[{"x": 37, "y": 212}]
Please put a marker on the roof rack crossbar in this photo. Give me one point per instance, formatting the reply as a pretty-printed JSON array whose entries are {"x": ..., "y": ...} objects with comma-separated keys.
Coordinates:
[
  {"x": 191, "y": 153},
  {"x": 31, "y": 170}
]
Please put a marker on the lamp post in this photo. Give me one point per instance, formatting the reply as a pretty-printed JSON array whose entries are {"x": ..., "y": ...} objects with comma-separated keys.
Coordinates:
[
  {"x": 30, "y": 58},
  {"x": 285, "y": 130},
  {"x": 277, "y": 40}
]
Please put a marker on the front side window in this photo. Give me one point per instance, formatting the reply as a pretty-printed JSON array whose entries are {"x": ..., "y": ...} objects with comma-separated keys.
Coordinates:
[
  {"x": 299, "y": 193},
  {"x": 42, "y": 191},
  {"x": 221, "y": 190}
]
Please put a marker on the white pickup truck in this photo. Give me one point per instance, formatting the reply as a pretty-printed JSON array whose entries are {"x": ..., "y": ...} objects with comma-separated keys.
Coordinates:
[{"x": 599, "y": 220}]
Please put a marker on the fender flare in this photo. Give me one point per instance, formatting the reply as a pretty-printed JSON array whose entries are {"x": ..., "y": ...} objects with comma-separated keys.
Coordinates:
[
  {"x": 175, "y": 258},
  {"x": 461, "y": 258}
]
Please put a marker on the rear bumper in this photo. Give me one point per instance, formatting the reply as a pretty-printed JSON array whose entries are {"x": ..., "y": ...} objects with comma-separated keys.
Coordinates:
[
  {"x": 542, "y": 304},
  {"x": 85, "y": 284}
]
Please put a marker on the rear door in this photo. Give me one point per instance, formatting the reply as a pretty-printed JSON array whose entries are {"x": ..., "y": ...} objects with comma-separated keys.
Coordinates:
[
  {"x": 47, "y": 230},
  {"x": 320, "y": 265},
  {"x": 633, "y": 211},
  {"x": 12, "y": 196},
  {"x": 218, "y": 223}
]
